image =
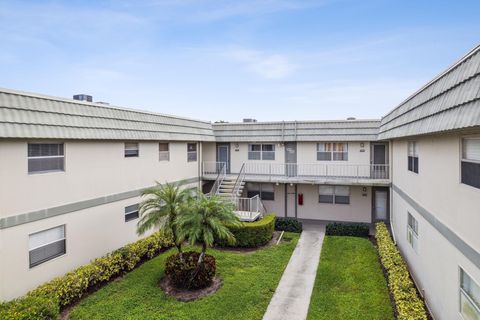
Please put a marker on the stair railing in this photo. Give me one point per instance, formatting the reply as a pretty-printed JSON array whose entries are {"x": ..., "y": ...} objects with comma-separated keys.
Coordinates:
[
  {"x": 238, "y": 183},
  {"x": 222, "y": 172}
]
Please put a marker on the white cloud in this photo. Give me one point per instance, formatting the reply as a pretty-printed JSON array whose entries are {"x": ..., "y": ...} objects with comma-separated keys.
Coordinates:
[{"x": 266, "y": 65}]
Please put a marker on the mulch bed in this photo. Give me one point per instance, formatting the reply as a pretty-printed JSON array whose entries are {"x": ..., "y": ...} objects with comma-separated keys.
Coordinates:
[
  {"x": 272, "y": 242},
  {"x": 186, "y": 295}
]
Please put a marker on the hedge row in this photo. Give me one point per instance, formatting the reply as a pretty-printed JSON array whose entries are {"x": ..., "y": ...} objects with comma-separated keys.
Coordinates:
[
  {"x": 252, "y": 234},
  {"x": 45, "y": 301},
  {"x": 288, "y": 224},
  {"x": 409, "y": 305},
  {"x": 348, "y": 229}
]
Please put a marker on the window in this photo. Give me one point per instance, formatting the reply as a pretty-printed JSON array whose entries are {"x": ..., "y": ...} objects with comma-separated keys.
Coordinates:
[
  {"x": 260, "y": 151},
  {"x": 191, "y": 152},
  {"x": 471, "y": 162},
  {"x": 328, "y": 151},
  {"x": 131, "y": 150},
  {"x": 163, "y": 151},
  {"x": 469, "y": 297},
  {"x": 46, "y": 157},
  {"x": 265, "y": 191},
  {"x": 46, "y": 245},
  {"x": 334, "y": 194},
  {"x": 131, "y": 212},
  {"x": 412, "y": 156},
  {"x": 412, "y": 232}
]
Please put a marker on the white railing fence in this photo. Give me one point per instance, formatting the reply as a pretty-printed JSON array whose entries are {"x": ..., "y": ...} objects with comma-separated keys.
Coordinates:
[
  {"x": 222, "y": 172},
  {"x": 251, "y": 206}
]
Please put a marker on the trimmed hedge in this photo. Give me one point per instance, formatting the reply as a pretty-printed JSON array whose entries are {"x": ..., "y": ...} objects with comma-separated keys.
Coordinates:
[
  {"x": 185, "y": 273},
  {"x": 348, "y": 229},
  {"x": 45, "y": 301},
  {"x": 251, "y": 234},
  {"x": 408, "y": 304},
  {"x": 288, "y": 224}
]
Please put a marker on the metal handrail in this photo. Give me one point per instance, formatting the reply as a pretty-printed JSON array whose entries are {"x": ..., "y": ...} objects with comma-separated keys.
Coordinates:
[
  {"x": 220, "y": 177},
  {"x": 238, "y": 182}
]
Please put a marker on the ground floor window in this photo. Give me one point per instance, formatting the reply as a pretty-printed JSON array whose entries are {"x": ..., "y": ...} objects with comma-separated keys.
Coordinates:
[
  {"x": 412, "y": 232},
  {"x": 46, "y": 245},
  {"x": 131, "y": 212},
  {"x": 264, "y": 190},
  {"x": 469, "y": 297},
  {"x": 334, "y": 194}
]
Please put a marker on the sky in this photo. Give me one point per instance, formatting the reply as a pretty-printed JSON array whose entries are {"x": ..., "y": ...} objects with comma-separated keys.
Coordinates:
[{"x": 228, "y": 60}]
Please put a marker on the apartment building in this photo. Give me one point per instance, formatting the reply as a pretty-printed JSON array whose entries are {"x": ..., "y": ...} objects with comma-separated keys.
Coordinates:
[{"x": 71, "y": 173}]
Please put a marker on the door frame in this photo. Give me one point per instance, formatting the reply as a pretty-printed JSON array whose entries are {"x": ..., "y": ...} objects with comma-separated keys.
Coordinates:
[
  {"x": 224, "y": 144},
  {"x": 372, "y": 151},
  {"x": 290, "y": 171},
  {"x": 374, "y": 189}
]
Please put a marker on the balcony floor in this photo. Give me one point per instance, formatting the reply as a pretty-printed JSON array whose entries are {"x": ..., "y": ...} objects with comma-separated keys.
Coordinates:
[{"x": 331, "y": 180}]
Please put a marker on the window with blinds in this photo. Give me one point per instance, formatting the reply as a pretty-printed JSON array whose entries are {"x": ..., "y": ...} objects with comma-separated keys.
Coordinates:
[
  {"x": 131, "y": 149},
  {"x": 163, "y": 151},
  {"x": 334, "y": 194},
  {"x": 328, "y": 151},
  {"x": 470, "y": 162},
  {"x": 46, "y": 157},
  {"x": 261, "y": 151},
  {"x": 266, "y": 191},
  {"x": 131, "y": 212},
  {"x": 412, "y": 232},
  {"x": 46, "y": 245},
  {"x": 412, "y": 156}
]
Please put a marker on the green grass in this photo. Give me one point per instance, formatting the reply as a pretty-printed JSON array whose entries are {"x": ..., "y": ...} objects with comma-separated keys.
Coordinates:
[
  {"x": 350, "y": 282},
  {"x": 249, "y": 281}
]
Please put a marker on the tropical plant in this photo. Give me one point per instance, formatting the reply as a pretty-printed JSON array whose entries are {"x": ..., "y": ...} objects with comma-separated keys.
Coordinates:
[
  {"x": 205, "y": 220},
  {"x": 161, "y": 207}
]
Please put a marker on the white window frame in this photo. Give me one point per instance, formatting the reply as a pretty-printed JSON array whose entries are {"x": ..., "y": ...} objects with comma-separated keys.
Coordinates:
[
  {"x": 136, "y": 147},
  {"x": 64, "y": 239},
  {"x": 413, "y": 153},
  {"x": 60, "y": 156},
  {"x": 261, "y": 154},
  {"x": 412, "y": 231},
  {"x": 192, "y": 155},
  {"x": 464, "y": 159},
  {"x": 334, "y": 194},
  {"x": 331, "y": 149},
  {"x": 465, "y": 295},
  {"x": 258, "y": 188},
  {"x": 132, "y": 211},
  {"x": 164, "y": 155}
]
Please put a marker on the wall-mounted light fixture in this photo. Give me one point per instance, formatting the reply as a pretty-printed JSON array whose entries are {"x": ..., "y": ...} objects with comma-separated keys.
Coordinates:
[{"x": 362, "y": 144}]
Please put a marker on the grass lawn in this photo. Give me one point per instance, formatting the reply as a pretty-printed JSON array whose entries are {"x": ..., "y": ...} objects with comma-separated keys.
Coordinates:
[
  {"x": 350, "y": 282},
  {"x": 249, "y": 281}
]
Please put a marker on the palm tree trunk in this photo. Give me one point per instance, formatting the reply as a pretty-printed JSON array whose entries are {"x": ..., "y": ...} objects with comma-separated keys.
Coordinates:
[{"x": 202, "y": 255}]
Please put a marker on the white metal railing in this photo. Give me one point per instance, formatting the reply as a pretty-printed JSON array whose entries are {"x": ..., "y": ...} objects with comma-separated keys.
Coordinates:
[
  {"x": 222, "y": 172},
  {"x": 273, "y": 171},
  {"x": 238, "y": 182},
  {"x": 249, "y": 206}
]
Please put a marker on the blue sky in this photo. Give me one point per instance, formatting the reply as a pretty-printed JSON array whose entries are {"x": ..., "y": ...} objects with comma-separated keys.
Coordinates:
[{"x": 228, "y": 60}]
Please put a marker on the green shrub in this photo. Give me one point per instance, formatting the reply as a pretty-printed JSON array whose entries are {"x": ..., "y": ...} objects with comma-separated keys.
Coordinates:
[
  {"x": 45, "y": 301},
  {"x": 408, "y": 304},
  {"x": 30, "y": 308},
  {"x": 288, "y": 224},
  {"x": 184, "y": 273},
  {"x": 252, "y": 234},
  {"x": 348, "y": 229}
]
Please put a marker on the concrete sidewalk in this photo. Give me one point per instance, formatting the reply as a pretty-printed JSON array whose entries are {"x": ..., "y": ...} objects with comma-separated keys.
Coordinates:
[{"x": 292, "y": 296}]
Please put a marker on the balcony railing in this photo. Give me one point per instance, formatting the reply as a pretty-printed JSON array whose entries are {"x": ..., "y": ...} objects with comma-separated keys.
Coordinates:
[{"x": 307, "y": 171}]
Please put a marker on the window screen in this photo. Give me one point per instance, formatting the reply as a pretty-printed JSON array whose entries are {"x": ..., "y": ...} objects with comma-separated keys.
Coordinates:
[
  {"x": 131, "y": 150},
  {"x": 191, "y": 152},
  {"x": 412, "y": 156},
  {"x": 46, "y": 245},
  {"x": 131, "y": 212},
  {"x": 164, "y": 151},
  {"x": 470, "y": 164},
  {"x": 469, "y": 297},
  {"x": 46, "y": 157}
]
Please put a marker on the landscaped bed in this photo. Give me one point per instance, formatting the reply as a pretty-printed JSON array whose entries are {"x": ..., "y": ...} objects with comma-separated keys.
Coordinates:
[
  {"x": 350, "y": 283},
  {"x": 249, "y": 281}
]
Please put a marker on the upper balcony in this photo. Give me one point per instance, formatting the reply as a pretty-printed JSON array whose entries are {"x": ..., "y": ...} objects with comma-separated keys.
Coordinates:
[{"x": 316, "y": 173}]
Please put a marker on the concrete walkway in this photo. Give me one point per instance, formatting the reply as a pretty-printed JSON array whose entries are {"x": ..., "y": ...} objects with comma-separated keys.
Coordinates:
[{"x": 292, "y": 296}]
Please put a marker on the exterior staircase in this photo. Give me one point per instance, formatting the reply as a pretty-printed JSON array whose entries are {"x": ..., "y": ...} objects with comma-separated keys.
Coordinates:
[{"x": 227, "y": 186}]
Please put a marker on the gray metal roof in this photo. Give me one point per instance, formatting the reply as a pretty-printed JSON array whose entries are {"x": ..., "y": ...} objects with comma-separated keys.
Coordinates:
[
  {"x": 451, "y": 101},
  {"x": 26, "y": 115},
  {"x": 341, "y": 130}
]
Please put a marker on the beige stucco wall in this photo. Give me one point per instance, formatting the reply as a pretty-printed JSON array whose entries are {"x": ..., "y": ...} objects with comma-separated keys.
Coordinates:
[
  {"x": 92, "y": 169},
  {"x": 438, "y": 189}
]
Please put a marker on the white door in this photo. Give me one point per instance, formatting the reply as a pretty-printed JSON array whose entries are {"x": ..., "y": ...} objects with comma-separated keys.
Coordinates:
[{"x": 381, "y": 201}]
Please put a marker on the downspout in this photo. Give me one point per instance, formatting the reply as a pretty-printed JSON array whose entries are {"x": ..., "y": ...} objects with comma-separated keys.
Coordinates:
[{"x": 199, "y": 166}]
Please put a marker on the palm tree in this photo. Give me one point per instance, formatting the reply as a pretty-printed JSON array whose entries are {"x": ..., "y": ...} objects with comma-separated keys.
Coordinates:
[
  {"x": 206, "y": 219},
  {"x": 161, "y": 207}
]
